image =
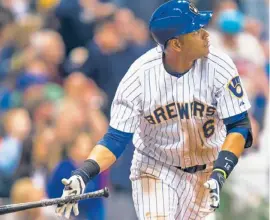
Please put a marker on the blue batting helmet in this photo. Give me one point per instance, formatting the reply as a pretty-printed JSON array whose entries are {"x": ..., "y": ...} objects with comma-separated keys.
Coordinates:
[{"x": 176, "y": 17}]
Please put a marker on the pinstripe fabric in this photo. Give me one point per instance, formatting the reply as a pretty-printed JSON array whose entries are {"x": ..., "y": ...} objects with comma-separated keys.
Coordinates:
[
  {"x": 155, "y": 199},
  {"x": 177, "y": 122},
  {"x": 178, "y": 196}
]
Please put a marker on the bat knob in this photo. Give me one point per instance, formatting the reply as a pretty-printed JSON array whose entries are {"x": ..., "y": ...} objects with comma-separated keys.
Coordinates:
[{"x": 106, "y": 192}]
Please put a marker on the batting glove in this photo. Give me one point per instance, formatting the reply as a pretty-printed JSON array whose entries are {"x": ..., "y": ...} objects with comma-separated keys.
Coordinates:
[
  {"x": 214, "y": 184},
  {"x": 73, "y": 186}
]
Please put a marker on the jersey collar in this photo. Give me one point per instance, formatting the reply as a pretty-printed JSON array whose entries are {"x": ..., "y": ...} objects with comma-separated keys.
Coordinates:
[{"x": 175, "y": 74}]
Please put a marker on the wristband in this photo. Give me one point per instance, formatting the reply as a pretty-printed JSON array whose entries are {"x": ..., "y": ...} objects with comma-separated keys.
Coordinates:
[
  {"x": 225, "y": 163},
  {"x": 88, "y": 170}
]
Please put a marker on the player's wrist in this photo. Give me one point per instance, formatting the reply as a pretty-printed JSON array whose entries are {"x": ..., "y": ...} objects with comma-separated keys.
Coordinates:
[
  {"x": 225, "y": 164},
  {"x": 88, "y": 170},
  {"x": 220, "y": 176}
]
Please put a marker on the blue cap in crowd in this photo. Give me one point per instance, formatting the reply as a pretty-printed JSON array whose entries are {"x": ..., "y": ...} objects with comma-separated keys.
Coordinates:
[{"x": 230, "y": 21}]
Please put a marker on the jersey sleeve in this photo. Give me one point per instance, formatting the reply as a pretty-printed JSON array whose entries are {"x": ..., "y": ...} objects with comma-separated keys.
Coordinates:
[
  {"x": 231, "y": 97},
  {"x": 125, "y": 109}
]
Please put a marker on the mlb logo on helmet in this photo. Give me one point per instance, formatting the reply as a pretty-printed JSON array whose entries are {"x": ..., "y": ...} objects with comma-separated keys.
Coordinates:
[{"x": 193, "y": 9}]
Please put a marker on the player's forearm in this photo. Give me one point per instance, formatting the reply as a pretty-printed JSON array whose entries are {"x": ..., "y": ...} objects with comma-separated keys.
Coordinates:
[
  {"x": 239, "y": 136},
  {"x": 103, "y": 156},
  {"x": 234, "y": 143},
  {"x": 227, "y": 159}
]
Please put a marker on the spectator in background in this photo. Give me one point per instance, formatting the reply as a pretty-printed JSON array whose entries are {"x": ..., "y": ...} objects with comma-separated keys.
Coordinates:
[
  {"x": 78, "y": 19},
  {"x": 76, "y": 58},
  {"x": 49, "y": 46},
  {"x": 41, "y": 101},
  {"x": 70, "y": 118},
  {"x": 24, "y": 190},
  {"x": 6, "y": 22},
  {"x": 69, "y": 121},
  {"x": 219, "y": 6},
  {"x": 17, "y": 127},
  {"x": 123, "y": 19},
  {"x": 33, "y": 44},
  {"x": 36, "y": 72},
  {"x": 19, "y": 8},
  {"x": 46, "y": 7},
  {"x": 25, "y": 27},
  {"x": 133, "y": 30},
  {"x": 92, "y": 209},
  {"x": 258, "y": 9},
  {"x": 16, "y": 55},
  {"x": 140, "y": 35},
  {"x": 18, "y": 39},
  {"x": 112, "y": 51},
  {"x": 89, "y": 97},
  {"x": 6, "y": 48},
  {"x": 45, "y": 156},
  {"x": 142, "y": 9},
  {"x": 205, "y": 5},
  {"x": 254, "y": 27},
  {"x": 231, "y": 38}
]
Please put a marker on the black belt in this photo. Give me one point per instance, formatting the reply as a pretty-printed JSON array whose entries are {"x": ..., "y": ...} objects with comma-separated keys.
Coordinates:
[{"x": 193, "y": 169}]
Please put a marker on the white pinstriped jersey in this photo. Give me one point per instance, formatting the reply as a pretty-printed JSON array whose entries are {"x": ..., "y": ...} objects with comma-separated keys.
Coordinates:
[{"x": 178, "y": 120}]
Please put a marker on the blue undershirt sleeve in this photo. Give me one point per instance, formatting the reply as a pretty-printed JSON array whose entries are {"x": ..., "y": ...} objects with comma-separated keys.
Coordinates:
[
  {"x": 239, "y": 123},
  {"x": 116, "y": 141}
]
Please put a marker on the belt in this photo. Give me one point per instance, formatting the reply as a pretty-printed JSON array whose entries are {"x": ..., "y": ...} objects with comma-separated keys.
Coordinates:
[{"x": 193, "y": 169}]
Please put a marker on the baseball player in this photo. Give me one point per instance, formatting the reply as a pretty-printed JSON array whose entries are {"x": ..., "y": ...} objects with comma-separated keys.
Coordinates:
[{"x": 185, "y": 108}]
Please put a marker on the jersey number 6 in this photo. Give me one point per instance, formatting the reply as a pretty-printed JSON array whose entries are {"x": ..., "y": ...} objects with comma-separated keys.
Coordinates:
[{"x": 208, "y": 128}]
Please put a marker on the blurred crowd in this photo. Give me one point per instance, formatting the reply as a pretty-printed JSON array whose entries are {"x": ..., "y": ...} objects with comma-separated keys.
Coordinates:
[{"x": 60, "y": 64}]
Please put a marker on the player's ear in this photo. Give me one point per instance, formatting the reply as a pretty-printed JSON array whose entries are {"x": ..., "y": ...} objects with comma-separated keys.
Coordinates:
[{"x": 176, "y": 45}]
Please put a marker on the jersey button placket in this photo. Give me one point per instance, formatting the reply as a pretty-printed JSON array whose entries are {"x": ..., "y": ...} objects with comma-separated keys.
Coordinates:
[
  {"x": 184, "y": 98},
  {"x": 180, "y": 99}
]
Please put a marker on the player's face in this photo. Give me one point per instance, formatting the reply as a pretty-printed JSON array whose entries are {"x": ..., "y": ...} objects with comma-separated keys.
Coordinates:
[{"x": 196, "y": 44}]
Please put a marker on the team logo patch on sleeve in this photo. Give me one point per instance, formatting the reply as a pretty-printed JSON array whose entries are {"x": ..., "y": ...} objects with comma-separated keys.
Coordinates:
[{"x": 235, "y": 87}]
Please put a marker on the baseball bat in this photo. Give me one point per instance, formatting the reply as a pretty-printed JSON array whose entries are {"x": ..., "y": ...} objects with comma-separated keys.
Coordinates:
[{"x": 5, "y": 209}]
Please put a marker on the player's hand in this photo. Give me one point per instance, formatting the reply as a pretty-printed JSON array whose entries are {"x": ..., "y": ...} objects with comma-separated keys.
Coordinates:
[
  {"x": 73, "y": 186},
  {"x": 214, "y": 184}
]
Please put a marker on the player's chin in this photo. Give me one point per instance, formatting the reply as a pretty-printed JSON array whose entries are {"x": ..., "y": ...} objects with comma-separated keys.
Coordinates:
[
  {"x": 205, "y": 50},
  {"x": 202, "y": 51}
]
